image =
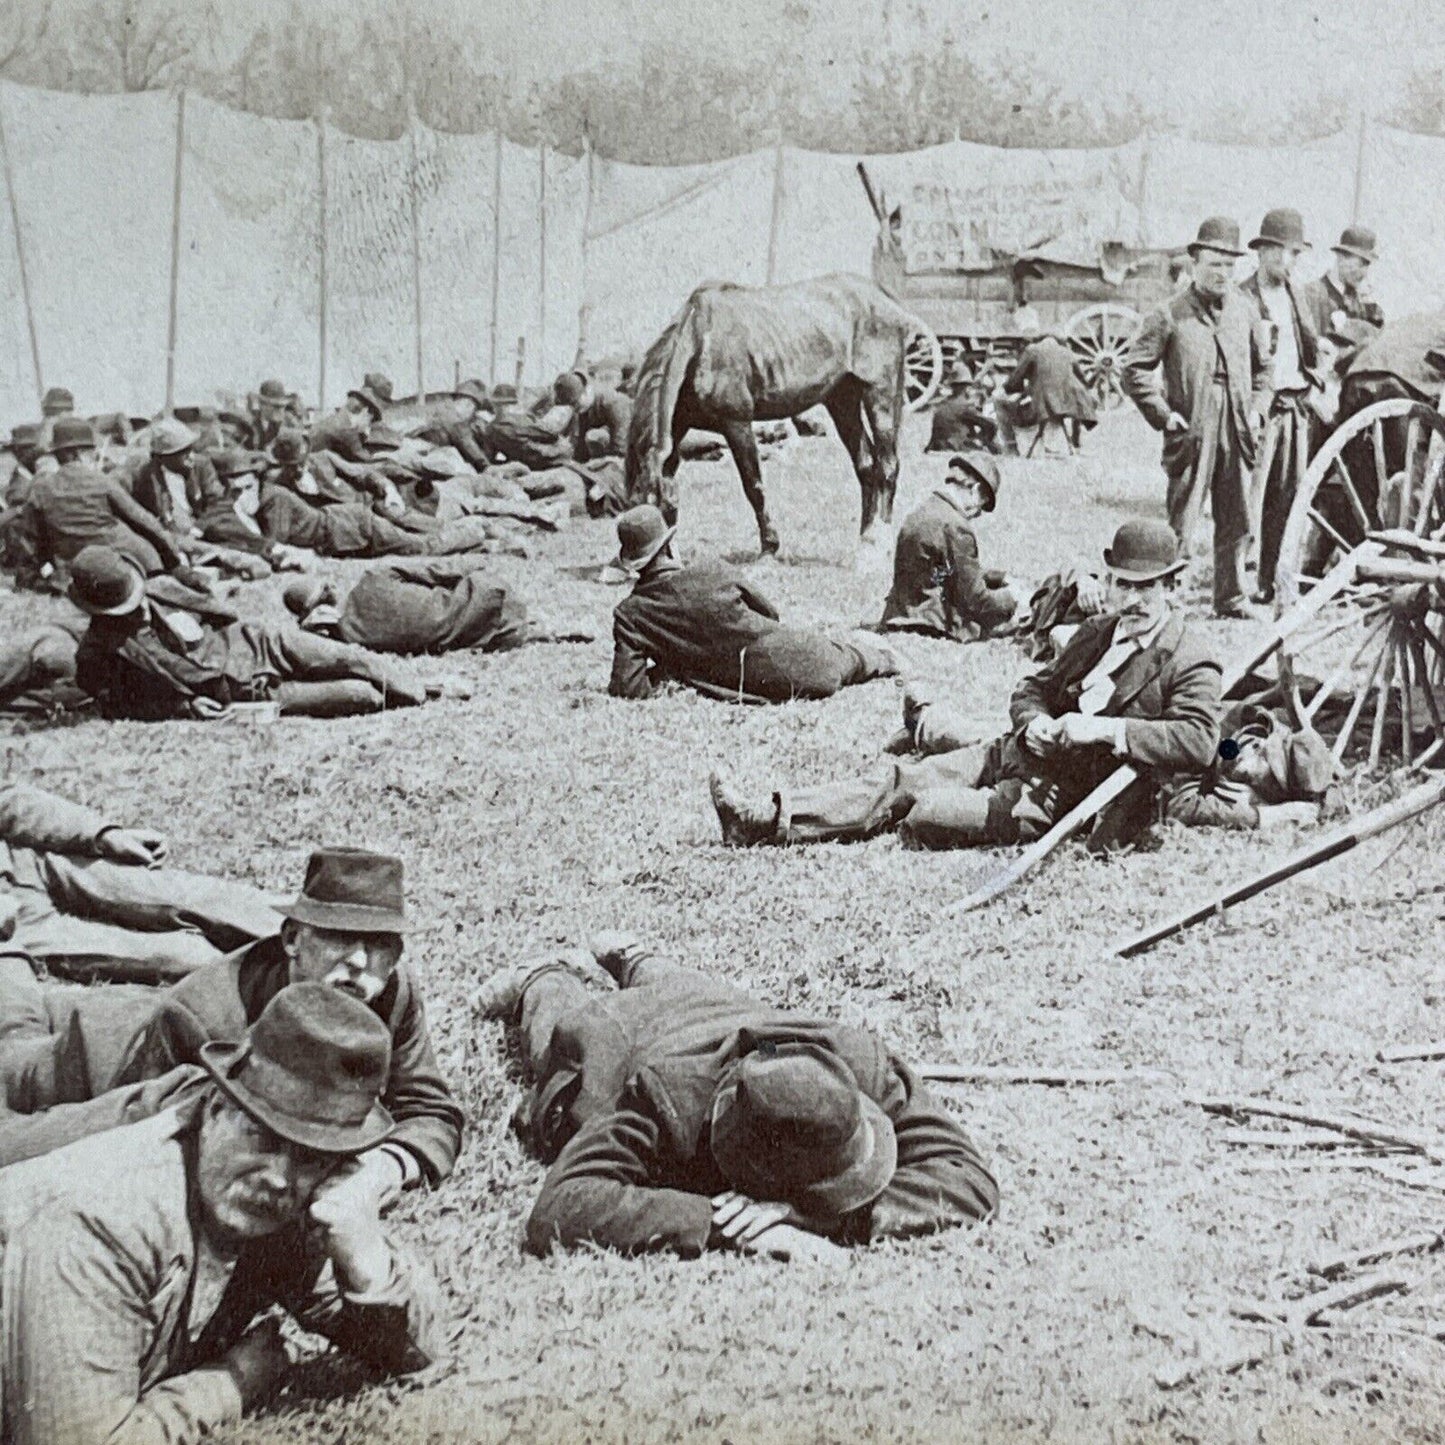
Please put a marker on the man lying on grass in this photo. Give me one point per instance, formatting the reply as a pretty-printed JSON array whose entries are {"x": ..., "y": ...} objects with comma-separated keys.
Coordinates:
[
  {"x": 1133, "y": 685},
  {"x": 684, "y": 1115}
]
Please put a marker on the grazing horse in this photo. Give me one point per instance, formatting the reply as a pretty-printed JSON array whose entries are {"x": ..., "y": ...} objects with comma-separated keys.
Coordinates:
[{"x": 738, "y": 354}]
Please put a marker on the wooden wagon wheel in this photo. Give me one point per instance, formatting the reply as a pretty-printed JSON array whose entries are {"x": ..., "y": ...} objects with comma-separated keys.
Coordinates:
[
  {"x": 922, "y": 369},
  {"x": 1102, "y": 334}
]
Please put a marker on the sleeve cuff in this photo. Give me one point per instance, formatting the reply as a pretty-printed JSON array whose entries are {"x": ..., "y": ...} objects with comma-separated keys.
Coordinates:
[{"x": 407, "y": 1162}]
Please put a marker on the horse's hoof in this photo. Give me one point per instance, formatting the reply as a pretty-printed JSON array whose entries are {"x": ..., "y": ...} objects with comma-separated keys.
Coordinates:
[{"x": 769, "y": 546}]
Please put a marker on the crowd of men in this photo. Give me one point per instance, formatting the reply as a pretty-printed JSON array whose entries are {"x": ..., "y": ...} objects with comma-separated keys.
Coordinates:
[{"x": 226, "y": 1131}]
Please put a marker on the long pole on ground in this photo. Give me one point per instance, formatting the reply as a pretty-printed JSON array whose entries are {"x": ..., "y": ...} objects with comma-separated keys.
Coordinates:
[
  {"x": 416, "y": 253},
  {"x": 542, "y": 255},
  {"x": 496, "y": 253},
  {"x": 20, "y": 251},
  {"x": 173, "y": 305},
  {"x": 775, "y": 215},
  {"x": 584, "y": 311},
  {"x": 322, "y": 249}
]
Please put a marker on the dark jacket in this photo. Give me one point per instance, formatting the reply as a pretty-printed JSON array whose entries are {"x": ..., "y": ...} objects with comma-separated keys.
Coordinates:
[
  {"x": 1412, "y": 350},
  {"x": 957, "y": 425},
  {"x": 79, "y": 505},
  {"x": 1050, "y": 375},
  {"x": 433, "y": 605},
  {"x": 202, "y": 487},
  {"x": 638, "y": 1174},
  {"x": 705, "y": 625},
  {"x": 938, "y": 585},
  {"x": 1306, "y": 337},
  {"x": 611, "y": 413},
  {"x": 1172, "y": 365},
  {"x": 1324, "y": 298},
  {"x": 337, "y": 529}
]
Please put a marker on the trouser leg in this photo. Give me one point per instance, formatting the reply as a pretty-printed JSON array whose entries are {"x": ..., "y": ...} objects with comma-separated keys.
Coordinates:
[
  {"x": 23, "y": 1014},
  {"x": 1229, "y": 493},
  {"x": 346, "y": 698},
  {"x": 950, "y": 815},
  {"x": 1281, "y": 482},
  {"x": 551, "y": 992},
  {"x": 864, "y": 661}
]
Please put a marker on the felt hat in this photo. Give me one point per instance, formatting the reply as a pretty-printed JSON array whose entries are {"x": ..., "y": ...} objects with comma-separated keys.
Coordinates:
[
  {"x": 1357, "y": 241},
  {"x": 504, "y": 394},
  {"x": 311, "y": 1069},
  {"x": 475, "y": 389},
  {"x": 568, "y": 389},
  {"x": 642, "y": 532},
  {"x": 352, "y": 890},
  {"x": 312, "y": 601},
  {"x": 790, "y": 1123},
  {"x": 375, "y": 391},
  {"x": 26, "y": 434},
  {"x": 104, "y": 582},
  {"x": 169, "y": 436},
  {"x": 1143, "y": 551},
  {"x": 56, "y": 402},
  {"x": 71, "y": 431},
  {"x": 239, "y": 462},
  {"x": 1217, "y": 233},
  {"x": 1281, "y": 227},
  {"x": 273, "y": 392},
  {"x": 290, "y": 445},
  {"x": 982, "y": 468}
]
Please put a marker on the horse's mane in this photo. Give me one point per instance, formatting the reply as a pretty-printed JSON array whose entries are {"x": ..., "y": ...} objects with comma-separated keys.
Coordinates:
[{"x": 651, "y": 429}]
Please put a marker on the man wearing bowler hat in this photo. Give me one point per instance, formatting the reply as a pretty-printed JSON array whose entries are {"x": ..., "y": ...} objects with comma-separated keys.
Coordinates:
[
  {"x": 177, "y": 484},
  {"x": 684, "y": 1115},
  {"x": 1340, "y": 297},
  {"x": 939, "y": 587},
  {"x": 75, "y": 1062},
  {"x": 1133, "y": 685},
  {"x": 703, "y": 624},
  {"x": 1198, "y": 372},
  {"x": 271, "y": 408},
  {"x": 140, "y": 1266},
  {"x": 1285, "y": 447}
]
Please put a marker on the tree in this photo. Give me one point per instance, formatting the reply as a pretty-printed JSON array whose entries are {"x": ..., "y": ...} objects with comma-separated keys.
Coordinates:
[
  {"x": 23, "y": 30},
  {"x": 132, "y": 45}
]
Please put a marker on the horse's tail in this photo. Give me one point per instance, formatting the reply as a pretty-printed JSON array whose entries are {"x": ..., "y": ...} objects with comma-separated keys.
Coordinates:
[{"x": 660, "y": 380}]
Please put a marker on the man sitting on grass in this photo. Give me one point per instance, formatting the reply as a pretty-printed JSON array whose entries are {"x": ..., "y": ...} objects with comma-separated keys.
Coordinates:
[
  {"x": 684, "y": 1115},
  {"x": 1132, "y": 685}
]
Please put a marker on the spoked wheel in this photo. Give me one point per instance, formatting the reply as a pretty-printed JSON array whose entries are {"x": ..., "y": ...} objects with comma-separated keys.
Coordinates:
[
  {"x": 1379, "y": 470},
  {"x": 922, "y": 369},
  {"x": 1367, "y": 672},
  {"x": 1102, "y": 335}
]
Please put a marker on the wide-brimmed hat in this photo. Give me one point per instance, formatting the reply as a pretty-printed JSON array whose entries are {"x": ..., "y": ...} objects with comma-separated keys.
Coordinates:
[
  {"x": 569, "y": 388},
  {"x": 1143, "y": 551},
  {"x": 104, "y": 582},
  {"x": 790, "y": 1123},
  {"x": 1217, "y": 233},
  {"x": 290, "y": 445},
  {"x": 1357, "y": 241},
  {"x": 1281, "y": 227},
  {"x": 351, "y": 890},
  {"x": 239, "y": 462},
  {"x": 311, "y": 1069},
  {"x": 981, "y": 467},
  {"x": 56, "y": 402},
  {"x": 474, "y": 389},
  {"x": 70, "y": 432},
  {"x": 169, "y": 436},
  {"x": 312, "y": 601},
  {"x": 375, "y": 391},
  {"x": 642, "y": 532}
]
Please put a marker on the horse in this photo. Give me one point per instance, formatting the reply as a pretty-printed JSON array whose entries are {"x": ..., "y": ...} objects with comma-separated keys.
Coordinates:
[{"x": 738, "y": 354}]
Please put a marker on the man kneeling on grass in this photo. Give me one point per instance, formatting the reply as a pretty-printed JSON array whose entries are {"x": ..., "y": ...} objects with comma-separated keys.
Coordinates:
[
  {"x": 684, "y": 1115},
  {"x": 1132, "y": 685},
  {"x": 136, "y": 1263}
]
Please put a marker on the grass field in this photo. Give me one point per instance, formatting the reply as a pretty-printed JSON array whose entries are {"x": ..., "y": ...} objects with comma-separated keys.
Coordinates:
[{"x": 541, "y": 809}]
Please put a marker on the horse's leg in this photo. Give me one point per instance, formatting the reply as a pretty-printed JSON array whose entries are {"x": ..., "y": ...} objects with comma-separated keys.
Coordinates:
[
  {"x": 667, "y": 499},
  {"x": 739, "y": 436},
  {"x": 845, "y": 406},
  {"x": 884, "y": 411}
]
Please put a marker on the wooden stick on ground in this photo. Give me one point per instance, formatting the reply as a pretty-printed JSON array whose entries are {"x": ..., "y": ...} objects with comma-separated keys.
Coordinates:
[
  {"x": 1295, "y": 1314},
  {"x": 1366, "y": 1131},
  {"x": 1058, "y": 1078},
  {"x": 1118, "y": 782},
  {"x": 1336, "y": 842},
  {"x": 1387, "y": 1249},
  {"x": 1412, "y": 1053}
]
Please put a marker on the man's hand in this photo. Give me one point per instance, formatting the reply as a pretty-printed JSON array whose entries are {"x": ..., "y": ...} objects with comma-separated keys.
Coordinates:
[
  {"x": 401, "y": 692},
  {"x": 132, "y": 845},
  {"x": 371, "y": 1184},
  {"x": 1043, "y": 736},
  {"x": 786, "y": 1241},
  {"x": 207, "y": 709},
  {"x": 1089, "y": 594},
  {"x": 740, "y": 1220},
  {"x": 258, "y": 1363},
  {"x": 346, "y": 1209},
  {"x": 1175, "y": 422},
  {"x": 1080, "y": 731}
]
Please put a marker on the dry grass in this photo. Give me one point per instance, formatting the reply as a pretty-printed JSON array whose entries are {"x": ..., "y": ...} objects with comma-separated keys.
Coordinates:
[{"x": 543, "y": 809}]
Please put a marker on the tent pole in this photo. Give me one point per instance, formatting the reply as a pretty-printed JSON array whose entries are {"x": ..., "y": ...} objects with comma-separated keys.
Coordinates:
[
  {"x": 542, "y": 255},
  {"x": 20, "y": 252},
  {"x": 322, "y": 249},
  {"x": 775, "y": 216},
  {"x": 1363, "y": 127},
  {"x": 496, "y": 253},
  {"x": 583, "y": 310},
  {"x": 416, "y": 256},
  {"x": 175, "y": 282}
]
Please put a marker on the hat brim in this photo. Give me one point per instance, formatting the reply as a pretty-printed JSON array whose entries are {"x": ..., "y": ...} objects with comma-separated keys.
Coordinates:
[
  {"x": 1300, "y": 245},
  {"x": 128, "y": 603},
  {"x": 1144, "y": 574},
  {"x": 636, "y": 564},
  {"x": 962, "y": 463},
  {"x": 221, "y": 1060},
  {"x": 1195, "y": 247},
  {"x": 370, "y": 402},
  {"x": 1369, "y": 257},
  {"x": 345, "y": 917},
  {"x": 324, "y": 614}
]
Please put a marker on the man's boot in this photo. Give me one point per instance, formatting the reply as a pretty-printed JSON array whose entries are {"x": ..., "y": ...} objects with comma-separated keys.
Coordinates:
[{"x": 743, "y": 824}]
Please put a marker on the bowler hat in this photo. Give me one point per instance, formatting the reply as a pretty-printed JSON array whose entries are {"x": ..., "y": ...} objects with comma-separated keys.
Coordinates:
[
  {"x": 169, "y": 436},
  {"x": 568, "y": 389},
  {"x": 375, "y": 390},
  {"x": 290, "y": 445},
  {"x": 104, "y": 582},
  {"x": 475, "y": 389},
  {"x": 790, "y": 1123},
  {"x": 70, "y": 432},
  {"x": 1217, "y": 233},
  {"x": 1281, "y": 227},
  {"x": 642, "y": 532},
  {"x": 1357, "y": 241},
  {"x": 504, "y": 394},
  {"x": 26, "y": 434},
  {"x": 305, "y": 594},
  {"x": 1143, "y": 551},
  {"x": 273, "y": 391},
  {"x": 352, "y": 890},
  {"x": 56, "y": 402},
  {"x": 238, "y": 462},
  {"x": 982, "y": 468},
  {"x": 311, "y": 1069}
]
